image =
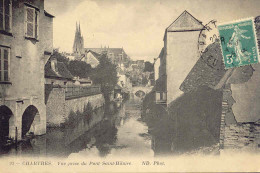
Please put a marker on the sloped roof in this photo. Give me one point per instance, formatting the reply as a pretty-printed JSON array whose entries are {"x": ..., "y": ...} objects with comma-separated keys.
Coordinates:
[
  {"x": 185, "y": 22},
  {"x": 97, "y": 50},
  {"x": 48, "y": 14},
  {"x": 95, "y": 54},
  {"x": 116, "y": 51},
  {"x": 161, "y": 53},
  {"x": 61, "y": 73},
  {"x": 203, "y": 74}
]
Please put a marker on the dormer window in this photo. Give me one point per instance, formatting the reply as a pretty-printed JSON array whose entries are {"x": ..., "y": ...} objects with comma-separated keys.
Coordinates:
[
  {"x": 31, "y": 22},
  {"x": 5, "y": 15}
]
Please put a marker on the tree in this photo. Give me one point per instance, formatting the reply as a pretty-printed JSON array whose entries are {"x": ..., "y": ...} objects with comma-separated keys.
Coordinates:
[
  {"x": 105, "y": 74},
  {"x": 148, "y": 67},
  {"x": 144, "y": 81},
  {"x": 60, "y": 57},
  {"x": 80, "y": 68}
]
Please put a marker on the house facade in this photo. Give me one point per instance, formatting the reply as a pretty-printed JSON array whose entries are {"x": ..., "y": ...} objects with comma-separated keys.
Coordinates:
[
  {"x": 56, "y": 73},
  {"x": 26, "y": 43},
  {"x": 178, "y": 56},
  {"x": 116, "y": 55},
  {"x": 156, "y": 68},
  {"x": 91, "y": 58}
]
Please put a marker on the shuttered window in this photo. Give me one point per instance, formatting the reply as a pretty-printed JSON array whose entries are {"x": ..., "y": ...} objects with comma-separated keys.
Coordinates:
[
  {"x": 31, "y": 22},
  {"x": 5, "y": 15},
  {"x": 4, "y": 64}
]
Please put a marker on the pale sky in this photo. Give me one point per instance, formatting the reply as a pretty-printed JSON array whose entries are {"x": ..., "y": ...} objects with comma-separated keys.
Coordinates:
[{"x": 136, "y": 25}]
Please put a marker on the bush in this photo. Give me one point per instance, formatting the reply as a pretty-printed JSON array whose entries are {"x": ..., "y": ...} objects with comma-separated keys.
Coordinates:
[{"x": 75, "y": 117}]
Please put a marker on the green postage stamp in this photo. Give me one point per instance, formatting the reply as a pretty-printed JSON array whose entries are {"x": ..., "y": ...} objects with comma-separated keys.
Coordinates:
[{"x": 238, "y": 42}]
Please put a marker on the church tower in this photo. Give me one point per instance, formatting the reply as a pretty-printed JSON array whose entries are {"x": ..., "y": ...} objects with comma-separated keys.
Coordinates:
[{"x": 78, "y": 46}]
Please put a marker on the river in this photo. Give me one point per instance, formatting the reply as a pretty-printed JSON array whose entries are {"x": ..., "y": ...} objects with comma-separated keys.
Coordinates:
[
  {"x": 114, "y": 130},
  {"x": 117, "y": 129}
]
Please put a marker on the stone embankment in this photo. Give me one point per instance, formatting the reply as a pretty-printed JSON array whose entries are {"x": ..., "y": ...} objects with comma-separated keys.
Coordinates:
[{"x": 59, "y": 107}]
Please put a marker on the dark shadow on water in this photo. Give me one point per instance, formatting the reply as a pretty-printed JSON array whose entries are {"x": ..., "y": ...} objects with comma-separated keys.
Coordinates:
[
  {"x": 190, "y": 122},
  {"x": 99, "y": 131}
]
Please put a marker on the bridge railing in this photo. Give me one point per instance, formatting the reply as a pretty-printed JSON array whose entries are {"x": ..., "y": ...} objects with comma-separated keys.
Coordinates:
[{"x": 72, "y": 92}]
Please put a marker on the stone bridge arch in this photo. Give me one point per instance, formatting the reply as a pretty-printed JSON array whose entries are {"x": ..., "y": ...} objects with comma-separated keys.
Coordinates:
[
  {"x": 141, "y": 89},
  {"x": 31, "y": 120},
  {"x": 6, "y": 123}
]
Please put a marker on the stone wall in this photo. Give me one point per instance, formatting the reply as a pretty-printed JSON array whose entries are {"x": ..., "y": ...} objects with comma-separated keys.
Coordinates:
[
  {"x": 78, "y": 104},
  {"x": 233, "y": 134},
  {"x": 242, "y": 136},
  {"x": 58, "y": 108},
  {"x": 55, "y": 107}
]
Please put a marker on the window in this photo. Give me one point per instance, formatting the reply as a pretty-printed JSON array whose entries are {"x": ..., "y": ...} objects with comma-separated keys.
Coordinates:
[
  {"x": 5, "y": 15},
  {"x": 120, "y": 57},
  {"x": 161, "y": 97},
  {"x": 31, "y": 22},
  {"x": 4, "y": 64}
]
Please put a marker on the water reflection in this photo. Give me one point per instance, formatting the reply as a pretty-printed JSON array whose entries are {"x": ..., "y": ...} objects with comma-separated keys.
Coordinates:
[
  {"x": 117, "y": 130},
  {"x": 123, "y": 135},
  {"x": 113, "y": 130},
  {"x": 189, "y": 125}
]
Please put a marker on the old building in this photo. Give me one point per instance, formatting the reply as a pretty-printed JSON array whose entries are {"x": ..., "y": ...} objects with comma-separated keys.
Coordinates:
[
  {"x": 123, "y": 79},
  {"x": 26, "y": 43},
  {"x": 160, "y": 79},
  {"x": 178, "y": 56},
  {"x": 116, "y": 55},
  {"x": 227, "y": 99},
  {"x": 91, "y": 58},
  {"x": 56, "y": 73},
  {"x": 156, "y": 66}
]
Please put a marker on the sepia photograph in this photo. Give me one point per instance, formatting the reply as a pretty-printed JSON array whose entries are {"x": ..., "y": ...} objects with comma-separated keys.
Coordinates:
[{"x": 129, "y": 86}]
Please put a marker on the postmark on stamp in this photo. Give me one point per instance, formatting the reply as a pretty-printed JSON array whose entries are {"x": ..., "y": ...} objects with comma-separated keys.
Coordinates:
[{"x": 238, "y": 43}]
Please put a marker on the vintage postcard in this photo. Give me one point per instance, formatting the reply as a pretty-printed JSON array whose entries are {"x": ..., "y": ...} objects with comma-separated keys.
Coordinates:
[{"x": 129, "y": 86}]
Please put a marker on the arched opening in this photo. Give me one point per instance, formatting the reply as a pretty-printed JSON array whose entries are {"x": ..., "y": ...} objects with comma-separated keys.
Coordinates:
[
  {"x": 6, "y": 123},
  {"x": 140, "y": 93},
  {"x": 30, "y": 119}
]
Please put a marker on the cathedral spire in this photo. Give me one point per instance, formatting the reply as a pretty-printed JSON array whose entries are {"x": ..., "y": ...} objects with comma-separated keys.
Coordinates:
[
  {"x": 78, "y": 46},
  {"x": 79, "y": 29}
]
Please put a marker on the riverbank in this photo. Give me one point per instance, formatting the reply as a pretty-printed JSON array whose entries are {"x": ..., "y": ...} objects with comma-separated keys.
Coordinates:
[
  {"x": 113, "y": 130},
  {"x": 60, "y": 109}
]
